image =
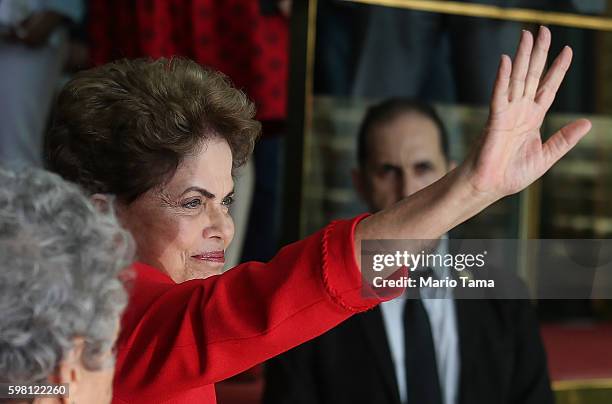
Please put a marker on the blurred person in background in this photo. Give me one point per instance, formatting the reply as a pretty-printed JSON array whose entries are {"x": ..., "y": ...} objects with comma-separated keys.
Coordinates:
[
  {"x": 60, "y": 292},
  {"x": 439, "y": 348},
  {"x": 440, "y": 57},
  {"x": 433, "y": 56},
  {"x": 340, "y": 32},
  {"x": 33, "y": 52}
]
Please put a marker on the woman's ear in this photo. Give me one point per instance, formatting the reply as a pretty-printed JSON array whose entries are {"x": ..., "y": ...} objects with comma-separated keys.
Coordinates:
[{"x": 70, "y": 370}]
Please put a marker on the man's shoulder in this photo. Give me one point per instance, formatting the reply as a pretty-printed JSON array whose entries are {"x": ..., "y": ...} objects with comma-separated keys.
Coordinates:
[{"x": 343, "y": 335}]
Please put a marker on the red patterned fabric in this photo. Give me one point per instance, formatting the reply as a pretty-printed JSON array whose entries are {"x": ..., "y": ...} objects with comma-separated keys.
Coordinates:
[{"x": 228, "y": 35}]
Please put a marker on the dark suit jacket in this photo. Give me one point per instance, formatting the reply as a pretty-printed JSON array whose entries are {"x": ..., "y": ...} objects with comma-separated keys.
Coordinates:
[{"x": 502, "y": 360}]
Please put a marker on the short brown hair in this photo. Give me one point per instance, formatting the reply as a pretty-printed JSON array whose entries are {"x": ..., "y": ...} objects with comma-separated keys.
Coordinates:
[
  {"x": 124, "y": 127},
  {"x": 388, "y": 110}
]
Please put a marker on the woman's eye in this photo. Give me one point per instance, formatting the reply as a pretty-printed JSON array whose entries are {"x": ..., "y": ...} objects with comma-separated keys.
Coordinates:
[
  {"x": 227, "y": 201},
  {"x": 193, "y": 204}
]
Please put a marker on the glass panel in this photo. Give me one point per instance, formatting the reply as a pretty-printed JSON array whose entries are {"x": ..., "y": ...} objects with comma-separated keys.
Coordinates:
[
  {"x": 577, "y": 192},
  {"x": 366, "y": 53}
]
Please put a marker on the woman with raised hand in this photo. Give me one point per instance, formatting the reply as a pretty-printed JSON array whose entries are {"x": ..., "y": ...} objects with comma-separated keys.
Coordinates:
[
  {"x": 162, "y": 137},
  {"x": 60, "y": 292}
]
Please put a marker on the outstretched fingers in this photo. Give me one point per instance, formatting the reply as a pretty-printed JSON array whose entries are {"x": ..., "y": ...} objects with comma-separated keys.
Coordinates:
[
  {"x": 538, "y": 62},
  {"x": 551, "y": 82},
  {"x": 500, "y": 90},
  {"x": 520, "y": 67},
  {"x": 521, "y": 77},
  {"x": 564, "y": 140}
]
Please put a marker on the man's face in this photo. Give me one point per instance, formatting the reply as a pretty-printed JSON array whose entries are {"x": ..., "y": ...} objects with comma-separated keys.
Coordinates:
[{"x": 404, "y": 156}]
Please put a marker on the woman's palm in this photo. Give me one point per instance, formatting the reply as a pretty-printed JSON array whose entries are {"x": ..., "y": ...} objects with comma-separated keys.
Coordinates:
[{"x": 510, "y": 154}]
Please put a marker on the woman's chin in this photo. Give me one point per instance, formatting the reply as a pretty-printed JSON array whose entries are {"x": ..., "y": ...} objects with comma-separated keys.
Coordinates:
[
  {"x": 203, "y": 269},
  {"x": 194, "y": 269}
]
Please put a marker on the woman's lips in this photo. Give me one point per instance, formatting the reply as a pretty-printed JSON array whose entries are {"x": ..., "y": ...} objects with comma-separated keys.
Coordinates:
[{"x": 211, "y": 256}]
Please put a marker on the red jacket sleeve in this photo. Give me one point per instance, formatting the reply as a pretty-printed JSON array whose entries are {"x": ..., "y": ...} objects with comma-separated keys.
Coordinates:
[{"x": 180, "y": 336}]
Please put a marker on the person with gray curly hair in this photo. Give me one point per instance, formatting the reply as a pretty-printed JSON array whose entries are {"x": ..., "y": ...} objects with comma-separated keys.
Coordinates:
[{"x": 61, "y": 294}]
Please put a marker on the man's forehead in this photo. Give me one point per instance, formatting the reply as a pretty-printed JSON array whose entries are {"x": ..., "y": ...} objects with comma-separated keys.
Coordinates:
[{"x": 395, "y": 141}]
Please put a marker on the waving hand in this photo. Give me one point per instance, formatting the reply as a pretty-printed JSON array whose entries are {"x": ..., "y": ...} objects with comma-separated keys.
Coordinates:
[{"x": 511, "y": 154}]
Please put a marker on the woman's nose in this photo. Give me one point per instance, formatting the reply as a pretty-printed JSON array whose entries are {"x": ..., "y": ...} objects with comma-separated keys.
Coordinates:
[{"x": 220, "y": 224}]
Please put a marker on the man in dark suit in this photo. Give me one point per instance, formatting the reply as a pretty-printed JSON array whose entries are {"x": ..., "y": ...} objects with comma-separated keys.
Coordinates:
[{"x": 457, "y": 351}]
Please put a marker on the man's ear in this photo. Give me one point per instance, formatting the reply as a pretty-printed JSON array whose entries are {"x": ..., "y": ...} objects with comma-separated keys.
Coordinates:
[
  {"x": 70, "y": 370},
  {"x": 101, "y": 201}
]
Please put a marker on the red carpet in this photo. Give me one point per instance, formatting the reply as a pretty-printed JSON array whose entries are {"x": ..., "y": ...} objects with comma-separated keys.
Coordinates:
[{"x": 578, "y": 351}]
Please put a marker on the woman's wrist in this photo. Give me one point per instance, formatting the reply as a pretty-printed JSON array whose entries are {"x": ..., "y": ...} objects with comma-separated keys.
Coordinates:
[{"x": 470, "y": 193}]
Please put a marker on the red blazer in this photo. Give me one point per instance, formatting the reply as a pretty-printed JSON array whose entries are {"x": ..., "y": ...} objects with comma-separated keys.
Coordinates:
[{"x": 177, "y": 340}]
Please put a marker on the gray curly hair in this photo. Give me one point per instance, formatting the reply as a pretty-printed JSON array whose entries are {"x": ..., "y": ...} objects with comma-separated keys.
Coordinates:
[{"x": 60, "y": 267}]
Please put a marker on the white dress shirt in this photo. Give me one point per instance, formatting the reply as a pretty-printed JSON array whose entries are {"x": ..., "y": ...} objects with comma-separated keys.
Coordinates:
[{"x": 440, "y": 308}]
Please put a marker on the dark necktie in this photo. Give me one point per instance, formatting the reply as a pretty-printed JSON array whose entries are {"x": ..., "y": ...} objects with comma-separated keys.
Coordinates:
[{"x": 422, "y": 381}]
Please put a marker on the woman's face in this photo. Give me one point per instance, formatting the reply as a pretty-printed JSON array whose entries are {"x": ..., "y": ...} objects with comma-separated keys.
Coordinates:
[{"x": 183, "y": 227}]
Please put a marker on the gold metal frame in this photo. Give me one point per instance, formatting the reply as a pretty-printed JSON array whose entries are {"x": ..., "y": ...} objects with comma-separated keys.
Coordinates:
[
  {"x": 310, "y": 46},
  {"x": 582, "y": 384},
  {"x": 581, "y": 391},
  {"x": 500, "y": 13}
]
